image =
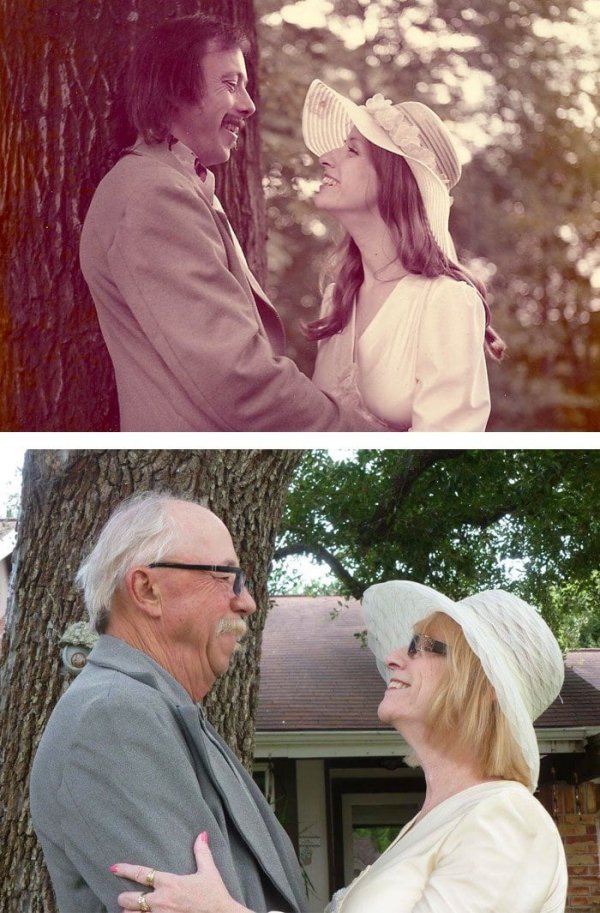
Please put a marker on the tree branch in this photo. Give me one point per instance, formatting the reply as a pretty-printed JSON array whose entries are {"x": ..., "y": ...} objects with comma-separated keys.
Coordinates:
[
  {"x": 355, "y": 587},
  {"x": 412, "y": 465}
]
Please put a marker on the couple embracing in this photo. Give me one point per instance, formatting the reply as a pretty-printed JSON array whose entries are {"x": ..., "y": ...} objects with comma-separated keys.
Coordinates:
[
  {"x": 195, "y": 342},
  {"x": 129, "y": 775}
]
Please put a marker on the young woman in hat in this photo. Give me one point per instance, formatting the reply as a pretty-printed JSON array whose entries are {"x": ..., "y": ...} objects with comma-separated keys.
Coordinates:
[
  {"x": 403, "y": 326},
  {"x": 465, "y": 680}
]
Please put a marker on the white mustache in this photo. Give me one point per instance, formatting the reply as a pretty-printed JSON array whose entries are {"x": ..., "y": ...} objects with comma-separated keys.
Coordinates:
[{"x": 235, "y": 626}]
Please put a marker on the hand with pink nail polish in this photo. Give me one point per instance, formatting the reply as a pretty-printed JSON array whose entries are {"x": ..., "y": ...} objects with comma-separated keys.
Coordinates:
[{"x": 203, "y": 892}]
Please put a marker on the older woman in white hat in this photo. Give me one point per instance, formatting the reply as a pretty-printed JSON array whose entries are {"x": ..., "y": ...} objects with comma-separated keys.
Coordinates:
[
  {"x": 465, "y": 680},
  {"x": 403, "y": 326}
]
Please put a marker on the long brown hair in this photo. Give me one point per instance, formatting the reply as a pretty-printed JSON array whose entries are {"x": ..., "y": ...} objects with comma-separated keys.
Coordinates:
[{"x": 401, "y": 207}]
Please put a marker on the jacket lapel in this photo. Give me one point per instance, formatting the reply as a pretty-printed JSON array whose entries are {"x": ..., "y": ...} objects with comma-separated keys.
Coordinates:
[
  {"x": 112, "y": 653},
  {"x": 267, "y": 312},
  {"x": 270, "y": 856}
]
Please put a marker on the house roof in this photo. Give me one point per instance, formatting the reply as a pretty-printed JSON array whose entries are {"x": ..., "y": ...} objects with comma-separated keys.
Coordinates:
[{"x": 315, "y": 675}]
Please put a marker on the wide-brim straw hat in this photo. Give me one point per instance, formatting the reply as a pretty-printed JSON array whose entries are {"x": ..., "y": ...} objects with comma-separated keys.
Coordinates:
[
  {"x": 516, "y": 648},
  {"x": 409, "y": 129}
]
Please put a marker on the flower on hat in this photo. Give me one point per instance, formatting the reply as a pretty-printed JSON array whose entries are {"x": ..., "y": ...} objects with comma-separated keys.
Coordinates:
[
  {"x": 401, "y": 132},
  {"x": 386, "y": 118},
  {"x": 377, "y": 103}
]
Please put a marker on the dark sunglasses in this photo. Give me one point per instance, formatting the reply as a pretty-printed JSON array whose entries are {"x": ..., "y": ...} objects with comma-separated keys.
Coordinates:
[
  {"x": 421, "y": 643},
  {"x": 239, "y": 582}
]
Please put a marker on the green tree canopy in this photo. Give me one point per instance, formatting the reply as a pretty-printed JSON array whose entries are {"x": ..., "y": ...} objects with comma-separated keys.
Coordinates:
[{"x": 460, "y": 521}]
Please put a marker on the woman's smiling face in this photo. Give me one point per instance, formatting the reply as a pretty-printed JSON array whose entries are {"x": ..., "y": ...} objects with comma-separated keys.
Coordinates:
[
  {"x": 413, "y": 682},
  {"x": 350, "y": 181}
]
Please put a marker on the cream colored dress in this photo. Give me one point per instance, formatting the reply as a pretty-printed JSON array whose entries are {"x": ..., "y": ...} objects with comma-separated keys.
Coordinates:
[
  {"x": 492, "y": 848},
  {"x": 419, "y": 364}
]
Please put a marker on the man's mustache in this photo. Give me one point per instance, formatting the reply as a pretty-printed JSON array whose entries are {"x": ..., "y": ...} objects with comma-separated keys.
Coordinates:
[{"x": 235, "y": 626}]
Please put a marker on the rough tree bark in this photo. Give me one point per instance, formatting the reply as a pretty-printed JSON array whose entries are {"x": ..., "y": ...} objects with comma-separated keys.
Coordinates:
[
  {"x": 61, "y": 68},
  {"x": 67, "y": 496}
]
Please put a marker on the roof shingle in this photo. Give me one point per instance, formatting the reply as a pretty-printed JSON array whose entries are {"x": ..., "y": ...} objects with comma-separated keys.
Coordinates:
[{"x": 315, "y": 675}]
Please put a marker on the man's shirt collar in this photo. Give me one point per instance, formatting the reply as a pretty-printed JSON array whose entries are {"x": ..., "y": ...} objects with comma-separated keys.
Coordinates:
[{"x": 192, "y": 164}]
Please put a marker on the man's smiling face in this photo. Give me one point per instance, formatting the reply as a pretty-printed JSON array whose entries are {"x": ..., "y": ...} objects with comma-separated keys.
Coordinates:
[{"x": 210, "y": 128}]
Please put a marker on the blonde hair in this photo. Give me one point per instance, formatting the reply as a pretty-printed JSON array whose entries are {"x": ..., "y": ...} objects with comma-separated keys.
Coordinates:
[{"x": 465, "y": 717}]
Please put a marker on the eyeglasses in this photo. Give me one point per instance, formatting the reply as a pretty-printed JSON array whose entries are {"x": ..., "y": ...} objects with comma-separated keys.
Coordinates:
[
  {"x": 421, "y": 643},
  {"x": 239, "y": 581}
]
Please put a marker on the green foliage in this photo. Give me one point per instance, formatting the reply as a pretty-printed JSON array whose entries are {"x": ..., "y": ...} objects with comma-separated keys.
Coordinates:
[
  {"x": 380, "y": 837},
  {"x": 460, "y": 521},
  {"x": 286, "y": 579},
  {"x": 572, "y": 610},
  {"x": 11, "y": 508},
  {"x": 10, "y": 495},
  {"x": 519, "y": 81}
]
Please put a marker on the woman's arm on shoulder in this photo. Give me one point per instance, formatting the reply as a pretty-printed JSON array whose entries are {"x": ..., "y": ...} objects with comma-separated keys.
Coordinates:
[{"x": 452, "y": 386}]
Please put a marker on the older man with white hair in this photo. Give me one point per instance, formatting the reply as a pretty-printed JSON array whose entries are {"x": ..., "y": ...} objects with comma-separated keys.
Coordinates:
[{"x": 128, "y": 766}]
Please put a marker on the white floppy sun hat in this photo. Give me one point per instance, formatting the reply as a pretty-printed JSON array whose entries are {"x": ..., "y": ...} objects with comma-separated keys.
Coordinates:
[
  {"x": 516, "y": 648},
  {"x": 409, "y": 129}
]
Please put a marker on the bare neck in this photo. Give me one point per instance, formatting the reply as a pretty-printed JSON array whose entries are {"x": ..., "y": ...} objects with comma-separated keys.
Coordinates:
[
  {"x": 445, "y": 777},
  {"x": 376, "y": 245}
]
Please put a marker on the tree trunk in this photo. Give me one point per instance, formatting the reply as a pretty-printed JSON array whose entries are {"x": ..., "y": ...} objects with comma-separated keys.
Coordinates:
[
  {"x": 67, "y": 497},
  {"x": 61, "y": 71}
]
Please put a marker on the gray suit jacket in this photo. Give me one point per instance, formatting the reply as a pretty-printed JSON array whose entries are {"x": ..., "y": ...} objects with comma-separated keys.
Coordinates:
[
  {"x": 128, "y": 770},
  {"x": 195, "y": 343}
]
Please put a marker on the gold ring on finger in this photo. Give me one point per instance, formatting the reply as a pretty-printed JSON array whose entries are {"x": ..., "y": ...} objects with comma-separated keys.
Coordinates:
[
  {"x": 150, "y": 878},
  {"x": 143, "y": 905}
]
